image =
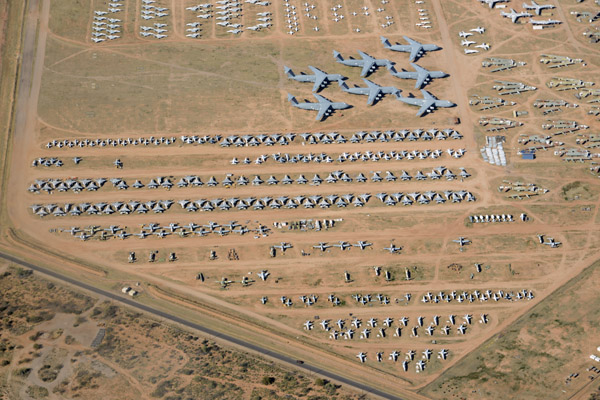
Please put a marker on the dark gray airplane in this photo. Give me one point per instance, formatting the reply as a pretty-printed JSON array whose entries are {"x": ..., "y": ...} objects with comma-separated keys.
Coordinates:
[
  {"x": 373, "y": 90},
  {"x": 367, "y": 63},
  {"x": 413, "y": 47},
  {"x": 422, "y": 75},
  {"x": 318, "y": 77},
  {"x": 428, "y": 103},
  {"x": 324, "y": 106}
]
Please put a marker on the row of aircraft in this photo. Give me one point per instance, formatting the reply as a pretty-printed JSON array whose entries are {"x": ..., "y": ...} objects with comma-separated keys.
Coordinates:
[
  {"x": 340, "y": 201},
  {"x": 366, "y": 156},
  {"x": 389, "y": 321},
  {"x": 482, "y": 296},
  {"x": 326, "y": 107},
  {"x": 162, "y": 231},
  {"x": 79, "y": 185},
  {"x": 323, "y": 246},
  {"x": 537, "y": 8},
  {"x": 321, "y": 79},
  {"x": 252, "y": 140},
  {"x": 410, "y": 356}
]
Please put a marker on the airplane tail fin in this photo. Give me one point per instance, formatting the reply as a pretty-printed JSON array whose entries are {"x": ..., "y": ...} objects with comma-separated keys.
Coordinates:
[
  {"x": 288, "y": 72},
  {"x": 386, "y": 43},
  {"x": 337, "y": 56},
  {"x": 391, "y": 68},
  {"x": 342, "y": 85},
  {"x": 292, "y": 99}
]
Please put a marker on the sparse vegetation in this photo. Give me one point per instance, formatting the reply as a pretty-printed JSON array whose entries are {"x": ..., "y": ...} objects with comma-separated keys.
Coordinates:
[
  {"x": 37, "y": 392},
  {"x": 171, "y": 363}
]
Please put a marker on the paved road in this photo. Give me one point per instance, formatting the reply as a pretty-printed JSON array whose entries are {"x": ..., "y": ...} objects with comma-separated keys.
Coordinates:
[{"x": 131, "y": 303}]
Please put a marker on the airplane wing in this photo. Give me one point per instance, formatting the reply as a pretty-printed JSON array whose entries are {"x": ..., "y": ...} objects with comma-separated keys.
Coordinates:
[
  {"x": 372, "y": 96},
  {"x": 414, "y": 52},
  {"x": 324, "y": 107},
  {"x": 427, "y": 95},
  {"x": 366, "y": 68},
  {"x": 421, "y": 79},
  {"x": 425, "y": 106},
  {"x": 319, "y": 79}
]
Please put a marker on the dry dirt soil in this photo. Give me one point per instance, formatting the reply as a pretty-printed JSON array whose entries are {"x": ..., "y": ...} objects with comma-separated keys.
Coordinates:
[{"x": 223, "y": 84}]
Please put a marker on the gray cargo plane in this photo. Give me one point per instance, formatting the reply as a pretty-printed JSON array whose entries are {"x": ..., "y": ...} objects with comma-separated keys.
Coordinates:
[
  {"x": 413, "y": 47},
  {"x": 514, "y": 16},
  {"x": 537, "y": 7},
  {"x": 367, "y": 63},
  {"x": 318, "y": 77},
  {"x": 325, "y": 107},
  {"x": 373, "y": 90},
  {"x": 428, "y": 103},
  {"x": 492, "y": 3},
  {"x": 422, "y": 75}
]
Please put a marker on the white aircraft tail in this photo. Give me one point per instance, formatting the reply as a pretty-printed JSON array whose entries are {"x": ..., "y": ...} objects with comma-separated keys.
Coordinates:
[{"x": 292, "y": 99}]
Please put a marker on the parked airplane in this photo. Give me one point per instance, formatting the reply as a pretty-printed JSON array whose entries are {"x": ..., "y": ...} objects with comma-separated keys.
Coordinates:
[
  {"x": 73, "y": 230},
  {"x": 479, "y": 29},
  {"x": 393, "y": 249},
  {"x": 322, "y": 246},
  {"x": 422, "y": 75},
  {"x": 367, "y": 63},
  {"x": 263, "y": 274},
  {"x": 537, "y": 7},
  {"x": 362, "y": 245},
  {"x": 550, "y": 242},
  {"x": 462, "y": 241},
  {"x": 471, "y": 51},
  {"x": 282, "y": 246},
  {"x": 492, "y": 3},
  {"x": 373, "y": 90},
  {"x": 343, "y": 245},
  {"x": 544, "y": 22},
  {"x": 84, "y": 236},
  {"x": 362, "y": 357},
  {"x": 224, "y": 282},
  {"x": 514, "y": 16},
  {"x": 324, "y": 106},
  {"x": 427, "y": 104},
  {"x": 318, "y": 77},
  {"x": 413, "y": 47}
]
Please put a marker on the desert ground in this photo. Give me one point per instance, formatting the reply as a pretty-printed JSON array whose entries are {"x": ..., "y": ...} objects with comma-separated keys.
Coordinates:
[
  {"x": 58, "y": 343},
  {"x": 222, "y": 84}
]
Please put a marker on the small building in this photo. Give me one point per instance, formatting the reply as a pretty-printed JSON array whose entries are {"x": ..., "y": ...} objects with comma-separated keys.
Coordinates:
[{"x": 528, "y": 155}]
